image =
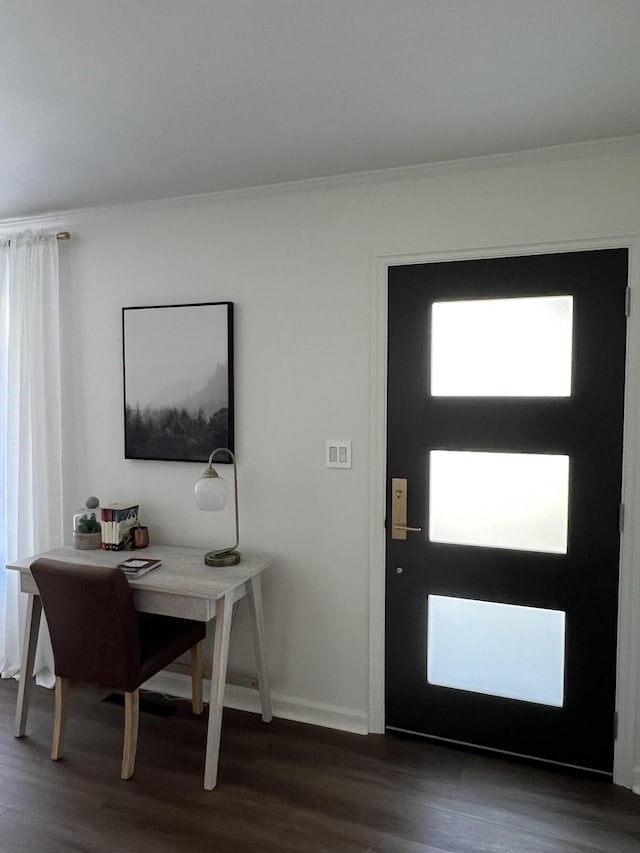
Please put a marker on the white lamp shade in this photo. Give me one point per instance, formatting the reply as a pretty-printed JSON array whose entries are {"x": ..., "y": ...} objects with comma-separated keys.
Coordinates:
[{"x": 211, "y": 493}]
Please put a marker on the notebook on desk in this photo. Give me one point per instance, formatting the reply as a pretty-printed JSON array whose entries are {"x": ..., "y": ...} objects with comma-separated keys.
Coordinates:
[{"x": 135, "y": 567}]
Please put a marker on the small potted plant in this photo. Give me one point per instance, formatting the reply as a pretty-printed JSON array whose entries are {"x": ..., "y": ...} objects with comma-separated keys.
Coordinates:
[{"x": 86, "y": 528}]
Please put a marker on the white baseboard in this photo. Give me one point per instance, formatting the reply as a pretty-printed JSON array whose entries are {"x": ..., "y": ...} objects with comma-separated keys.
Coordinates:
[{"x": 248, "y": 699}]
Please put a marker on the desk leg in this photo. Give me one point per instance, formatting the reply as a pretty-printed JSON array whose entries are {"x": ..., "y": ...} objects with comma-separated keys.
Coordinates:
[
  {"x": 31, "y": 628},
  {"x": 254, "y": 597},
  {"x": 224, "y": 612}
]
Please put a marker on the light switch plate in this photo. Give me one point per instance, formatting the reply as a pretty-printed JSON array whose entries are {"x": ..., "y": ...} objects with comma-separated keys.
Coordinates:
[{"x": 337, "y": 454}]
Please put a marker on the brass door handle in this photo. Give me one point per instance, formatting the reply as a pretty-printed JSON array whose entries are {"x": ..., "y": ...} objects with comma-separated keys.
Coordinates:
[{"x": 399, "y": 527}]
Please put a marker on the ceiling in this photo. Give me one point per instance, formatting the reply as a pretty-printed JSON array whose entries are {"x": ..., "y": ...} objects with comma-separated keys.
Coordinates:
[{"x": 114, "y": 101}]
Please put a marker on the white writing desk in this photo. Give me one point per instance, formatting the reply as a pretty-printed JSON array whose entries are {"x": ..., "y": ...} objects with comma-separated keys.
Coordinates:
[{"x": 181, "y": 586}]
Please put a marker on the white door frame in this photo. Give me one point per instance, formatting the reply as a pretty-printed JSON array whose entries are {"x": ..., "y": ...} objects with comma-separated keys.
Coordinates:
[{"x": 627, "y": 747}]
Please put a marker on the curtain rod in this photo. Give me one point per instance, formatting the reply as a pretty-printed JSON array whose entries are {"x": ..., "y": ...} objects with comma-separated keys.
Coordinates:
[{"x": 61, "y": 235}]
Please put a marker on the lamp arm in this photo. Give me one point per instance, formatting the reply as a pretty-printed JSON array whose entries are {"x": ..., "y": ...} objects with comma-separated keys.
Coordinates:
[{"x": 235, "y": 495}]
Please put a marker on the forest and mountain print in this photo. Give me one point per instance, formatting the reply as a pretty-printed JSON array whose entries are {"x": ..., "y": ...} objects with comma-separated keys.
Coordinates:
[{"x": 178, "y": 364}]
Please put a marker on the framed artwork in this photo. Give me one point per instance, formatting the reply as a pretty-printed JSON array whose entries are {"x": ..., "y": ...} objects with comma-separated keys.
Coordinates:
[{"x": 178, "y": 381}]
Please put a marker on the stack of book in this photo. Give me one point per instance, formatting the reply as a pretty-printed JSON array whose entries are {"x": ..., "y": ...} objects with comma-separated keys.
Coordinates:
[
  {"x": 135, "y": 567},
  {"x": 116, "y": 525}
]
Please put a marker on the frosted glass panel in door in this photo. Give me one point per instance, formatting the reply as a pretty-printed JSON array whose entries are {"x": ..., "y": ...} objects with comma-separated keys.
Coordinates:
[
  {"x": 498, "y": 649},
  {"x": 499, "y": 500},
  {"x": 502, "y": 347}
]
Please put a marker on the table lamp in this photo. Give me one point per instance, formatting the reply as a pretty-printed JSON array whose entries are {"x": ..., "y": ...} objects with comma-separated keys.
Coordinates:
[{"x": 212, "y": 491}]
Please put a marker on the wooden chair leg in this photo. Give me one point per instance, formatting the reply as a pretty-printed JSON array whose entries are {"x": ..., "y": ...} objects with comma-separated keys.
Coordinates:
[
  {"x": 60, "y": 719},
  {"x": 196, "y": 679},
  {"x": 131, "y": 713}
]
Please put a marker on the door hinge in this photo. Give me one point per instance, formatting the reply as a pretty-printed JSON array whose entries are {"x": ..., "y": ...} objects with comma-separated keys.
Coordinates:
[
  {"x": 627, "y": 301},
  {"x": 621, "y": 518},
  {"x": 615, "y": 725}
]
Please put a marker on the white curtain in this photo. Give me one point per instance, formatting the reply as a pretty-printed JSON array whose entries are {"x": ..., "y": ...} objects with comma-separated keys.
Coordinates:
[{"x": 30, "y": 429}]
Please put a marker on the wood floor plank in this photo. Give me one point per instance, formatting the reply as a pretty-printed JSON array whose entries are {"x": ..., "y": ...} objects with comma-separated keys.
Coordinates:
[{"x": 287, "y": 788}]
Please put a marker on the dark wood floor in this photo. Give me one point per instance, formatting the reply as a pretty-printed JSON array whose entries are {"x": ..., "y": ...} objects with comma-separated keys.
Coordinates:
[{"x": 285, "y": 787}]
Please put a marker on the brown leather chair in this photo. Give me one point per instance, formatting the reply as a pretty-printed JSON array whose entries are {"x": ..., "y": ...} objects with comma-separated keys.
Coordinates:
[{"x": 98, "y": 636}]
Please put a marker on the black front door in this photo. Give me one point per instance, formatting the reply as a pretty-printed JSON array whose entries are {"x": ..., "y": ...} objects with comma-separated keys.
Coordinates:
[{"x": 505, "y": 414}]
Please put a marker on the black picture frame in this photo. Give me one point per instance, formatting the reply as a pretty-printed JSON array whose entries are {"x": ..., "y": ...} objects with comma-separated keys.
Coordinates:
[{"x": 178, "y": 381}]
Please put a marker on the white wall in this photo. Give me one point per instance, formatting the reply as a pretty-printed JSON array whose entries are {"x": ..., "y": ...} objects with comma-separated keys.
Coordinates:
[{"x": 299, "y": 266}]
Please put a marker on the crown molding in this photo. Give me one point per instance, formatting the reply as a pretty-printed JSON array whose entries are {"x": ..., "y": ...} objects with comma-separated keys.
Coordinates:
[{"x": 424, "y": 171}]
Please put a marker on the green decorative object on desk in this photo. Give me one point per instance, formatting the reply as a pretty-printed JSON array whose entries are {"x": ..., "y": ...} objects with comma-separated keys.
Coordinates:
[
  {"x": 86, "y": 527},
  {"x": 88, "y": 524}
]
